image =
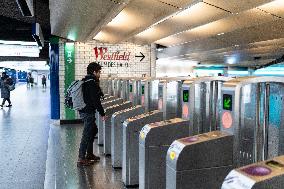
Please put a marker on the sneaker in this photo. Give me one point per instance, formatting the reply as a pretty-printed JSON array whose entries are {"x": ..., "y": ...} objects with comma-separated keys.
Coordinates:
[
  {"x": 92, "y": 157},
  {"x": 1, "y": 106},
  {"x": 9, "y": 105},
  {"x": 84, "y": 162}
]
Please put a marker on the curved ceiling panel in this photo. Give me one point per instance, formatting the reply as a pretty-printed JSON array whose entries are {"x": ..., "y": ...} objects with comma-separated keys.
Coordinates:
[
  {"x": 236, "y": 6},
  {"x": 76, "y": 19},
  {"x": 198, "y": 14},
  {"x": 134, "y": 18},
  {"x": 229, "y": 24}
]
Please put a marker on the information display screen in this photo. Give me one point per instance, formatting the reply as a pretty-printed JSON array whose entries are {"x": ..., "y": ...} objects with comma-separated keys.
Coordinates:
[
  {"x": 130, "y": 88},
  {"x": 185, "y": 95},
  {"x": 227, "y": 102},
  {"x": 143, "y": 89}
]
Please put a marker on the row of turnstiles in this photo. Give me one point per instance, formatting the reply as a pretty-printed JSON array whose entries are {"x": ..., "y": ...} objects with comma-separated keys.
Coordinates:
[{"x": 195, "y": 133}]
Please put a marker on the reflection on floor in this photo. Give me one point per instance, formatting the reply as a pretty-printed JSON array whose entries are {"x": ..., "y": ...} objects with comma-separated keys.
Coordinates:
[
  {"x": 61, "y": 168},
  {"x": 23, "y": 138},
  {"x": 36, "y": 154}
]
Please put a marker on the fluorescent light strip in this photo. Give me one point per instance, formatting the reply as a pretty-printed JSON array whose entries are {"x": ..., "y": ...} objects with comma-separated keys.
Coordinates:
[{"x": 25, "y": 43}]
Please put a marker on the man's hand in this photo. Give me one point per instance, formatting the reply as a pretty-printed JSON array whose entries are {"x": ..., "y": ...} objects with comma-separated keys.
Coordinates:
[{"x": 104, "y": 118}]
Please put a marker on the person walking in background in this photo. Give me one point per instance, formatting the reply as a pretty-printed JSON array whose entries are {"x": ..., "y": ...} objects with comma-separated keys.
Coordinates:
[
  {"x": 28, "y": 80},
  {"x": 92, "y": 97},
  {"x": 5, "y": 92},
  {"x": 43, "y": 81}
]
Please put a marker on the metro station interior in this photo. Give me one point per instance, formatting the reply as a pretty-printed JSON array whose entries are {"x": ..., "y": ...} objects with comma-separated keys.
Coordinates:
[{"x": 192, "y": 92}]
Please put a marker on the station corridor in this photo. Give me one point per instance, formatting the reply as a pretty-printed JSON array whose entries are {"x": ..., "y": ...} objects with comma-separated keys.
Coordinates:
[{"x": 36, "y": 153}]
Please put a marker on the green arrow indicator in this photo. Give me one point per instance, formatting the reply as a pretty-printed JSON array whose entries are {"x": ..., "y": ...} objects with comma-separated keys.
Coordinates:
[{"x": 227, "y": 102}]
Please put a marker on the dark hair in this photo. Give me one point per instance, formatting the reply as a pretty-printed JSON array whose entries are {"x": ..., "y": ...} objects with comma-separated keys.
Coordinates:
[
  {"x": 4, "y": 73},
  {"x": 93, "y": 66}
]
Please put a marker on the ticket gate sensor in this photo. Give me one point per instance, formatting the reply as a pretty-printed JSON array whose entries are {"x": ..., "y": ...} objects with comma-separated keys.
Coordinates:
[
  {"x": 117, "y": 130},
  {"x": 154, "y": 142},
  {"x": 262, "y": 175},
  {"x": 200, "y": 161},
  {"x": 109, "y": 111},
  {"x": 100, "y": 121},
  {"x": 130, "y": 152}
]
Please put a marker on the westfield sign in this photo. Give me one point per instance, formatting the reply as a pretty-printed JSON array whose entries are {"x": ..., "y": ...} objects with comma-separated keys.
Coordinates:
[{"x": 103, "y": 54}]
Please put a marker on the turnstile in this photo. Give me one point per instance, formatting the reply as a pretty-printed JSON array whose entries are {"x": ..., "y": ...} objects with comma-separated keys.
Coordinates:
[
  {"x": 107, "y": 98},
  {"x": 105, "y": 105},
  {"x": 155, "y": 139},
  {"x": 117, "y": 131},
  {"x": 250, "y": 115},
  {"x": 169, "y": 98},
  {"x": 197, "y": 162},
  {"x": 109, "y": 111},
  {"x": 262, "y": 175},
  {"x": 131, "y": 129},
  {"x": 134, "y": 91}
]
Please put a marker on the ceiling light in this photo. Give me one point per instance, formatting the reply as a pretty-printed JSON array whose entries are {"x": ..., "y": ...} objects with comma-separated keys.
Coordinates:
[
  {"x": 236, "y": 45},
  {"x": 18, "y": 43},
  {"x": 220, "y": 34},
  {"x": 121, "y": 18}
]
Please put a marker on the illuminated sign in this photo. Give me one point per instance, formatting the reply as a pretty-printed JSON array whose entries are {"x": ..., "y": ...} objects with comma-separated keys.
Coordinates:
[
  {"x": 227, "y": 102},
  {"x": 143, "y": 89},
  {"x": 185, "y": 95},
  {"x": 102, "y": 53},
  {"x": 185, "y": 111},
  {"x": 19, "y": 50},
  {"x": 227, "y": 120}
]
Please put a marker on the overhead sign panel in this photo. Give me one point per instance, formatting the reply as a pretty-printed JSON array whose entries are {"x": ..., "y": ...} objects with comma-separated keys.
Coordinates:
[{"x": 19, "y": 50}]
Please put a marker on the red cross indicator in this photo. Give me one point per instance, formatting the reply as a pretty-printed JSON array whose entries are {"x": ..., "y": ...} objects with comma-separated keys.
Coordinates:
[{"x": 227, "y": 120}]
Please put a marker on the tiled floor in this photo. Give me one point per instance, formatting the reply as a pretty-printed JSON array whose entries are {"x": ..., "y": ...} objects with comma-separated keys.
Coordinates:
[
  {"x": 36, "y": 154},
  {"x": 23, "y": 138}
]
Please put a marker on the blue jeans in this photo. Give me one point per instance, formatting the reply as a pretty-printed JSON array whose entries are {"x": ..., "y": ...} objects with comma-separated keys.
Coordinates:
[{"x": 88, "y": 136}]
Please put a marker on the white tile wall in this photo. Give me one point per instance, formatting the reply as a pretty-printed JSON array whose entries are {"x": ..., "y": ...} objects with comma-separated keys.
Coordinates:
[{"x": 84, "y": 54}]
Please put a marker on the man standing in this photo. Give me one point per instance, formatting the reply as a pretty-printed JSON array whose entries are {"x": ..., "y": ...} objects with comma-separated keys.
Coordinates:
[
  {"x": 92, "y": 98},
  {"x": 5, "y": 92}
]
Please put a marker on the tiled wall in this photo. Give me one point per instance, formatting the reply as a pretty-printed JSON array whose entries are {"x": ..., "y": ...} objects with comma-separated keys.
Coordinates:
[{"x": 84, "y": 54}]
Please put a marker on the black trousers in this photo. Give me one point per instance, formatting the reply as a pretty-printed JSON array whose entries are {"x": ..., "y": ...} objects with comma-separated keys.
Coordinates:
[
  {"x": 6, "y": 99},
  {"x": 88, "y": 135}
]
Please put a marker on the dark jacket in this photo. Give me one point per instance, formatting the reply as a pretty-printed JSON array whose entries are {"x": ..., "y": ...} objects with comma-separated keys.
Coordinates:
[
  {"x": 5, "y": 93},
  {"x": 92, "y": 94}
]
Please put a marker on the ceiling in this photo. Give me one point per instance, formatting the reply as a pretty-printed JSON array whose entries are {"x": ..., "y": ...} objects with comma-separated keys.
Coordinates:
[
  {"x": 16, "y": 27},
  {"x": 246, "y": 32}
]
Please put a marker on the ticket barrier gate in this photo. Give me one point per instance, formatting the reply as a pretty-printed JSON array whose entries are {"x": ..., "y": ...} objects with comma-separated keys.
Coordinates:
[
  {"x": 262, "y": 175},
  {"x": 134, "y": 91},
  {"x": 169, "y": 98},
  {"x": 198, "y": 162},
  {"x": 105, "y": 104},
  {"x": 148, "y": 180},
  {"x": 130, "y": 153},
  {"x": 152, "y": 88},
  {"x": 117, "y": 131},
  {"x": 109, "y": 111},
  {"x": 107, "y": 98},
  {"x": 124, "y": 92},
  {"x": 155, "y": 139},
  {"x": 245, "y": 104}
]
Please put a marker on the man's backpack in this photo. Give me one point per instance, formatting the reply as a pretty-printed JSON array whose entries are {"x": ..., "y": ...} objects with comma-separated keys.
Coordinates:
[
  {"x": 74, "y": 95},
  {"x": 10, "y": 84}
]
